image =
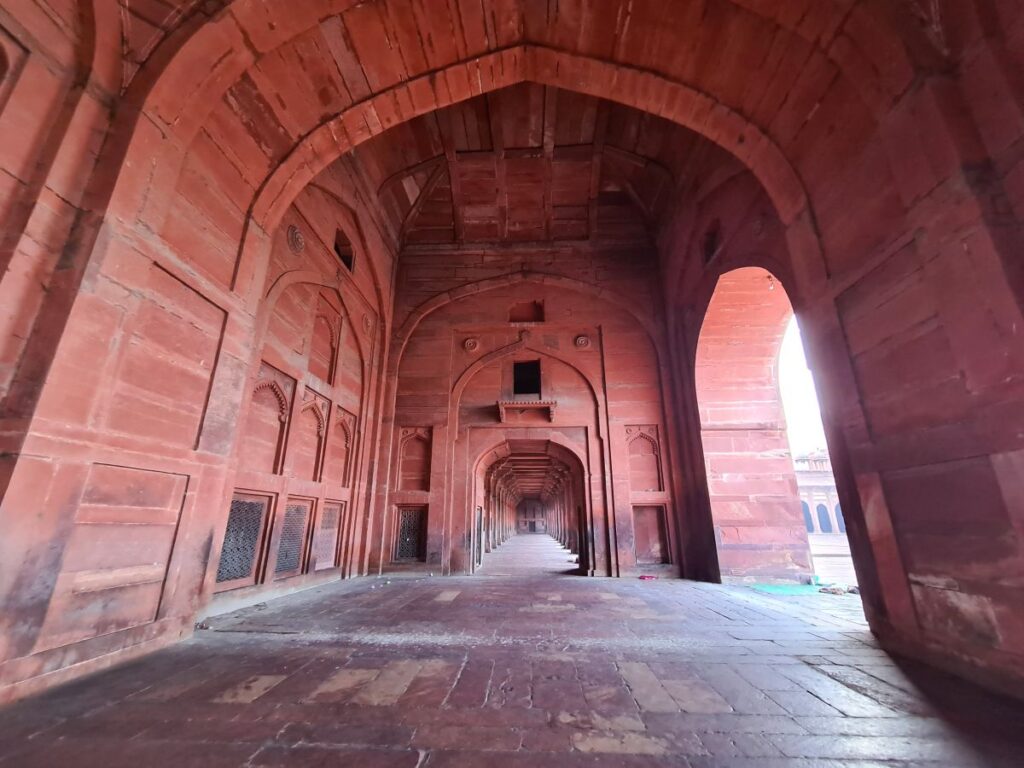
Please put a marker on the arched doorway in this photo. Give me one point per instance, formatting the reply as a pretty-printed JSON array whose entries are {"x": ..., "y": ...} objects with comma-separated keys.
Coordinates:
[
  {"x": 764, "y": 516},
  {"x": 529, "y": 487}
]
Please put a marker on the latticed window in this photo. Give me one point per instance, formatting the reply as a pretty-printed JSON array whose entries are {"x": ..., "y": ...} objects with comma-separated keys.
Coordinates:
[
  {"x": 325, "y": 540},
  {"x": 292, "y": 539},
  {"x": 411, "y": 543},
  {"x": 240, "y": 553}
]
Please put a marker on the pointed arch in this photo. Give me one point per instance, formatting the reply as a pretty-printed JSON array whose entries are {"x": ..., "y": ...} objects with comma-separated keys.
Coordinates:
[
  {"x": 464, "y": 378},
  {"x": 441, "y": 300},
  {"x": 305, "y": 446},
  {"x": 278, "y": 393},
  {"x": 318, "y": 412},
  {"x": 262, "y": 437},
  {"x": 323, "y": 350}
]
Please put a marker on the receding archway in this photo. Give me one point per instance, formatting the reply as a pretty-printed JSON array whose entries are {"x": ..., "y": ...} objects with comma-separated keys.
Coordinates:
[{"x": 525, "y": 487}]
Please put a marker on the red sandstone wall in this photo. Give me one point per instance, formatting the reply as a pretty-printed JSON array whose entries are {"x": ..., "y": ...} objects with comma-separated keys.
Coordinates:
[
  {"x": 889, "y": 147},
  {"x": 55, "y": 97},
  {"x": 312, "y": 402},
  {"x": 908, "y": 318},
  {"x": 598, "y": 364},
  {"x": 135, "y": 435}
]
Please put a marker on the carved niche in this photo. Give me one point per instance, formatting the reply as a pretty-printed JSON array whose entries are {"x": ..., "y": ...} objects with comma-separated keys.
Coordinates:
[
  {"x": 644, "y": 458},
  {"x": 262, "y": 434},
  {"x": 306, "y": 441},
  {"x": 340, "y": 448},
  {"x": 323, "y": 349},
  {"x": 414, "y": 459}
]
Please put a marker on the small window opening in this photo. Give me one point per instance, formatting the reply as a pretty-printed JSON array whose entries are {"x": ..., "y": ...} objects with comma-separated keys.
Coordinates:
[
  {"x": 343, "y": 250},
  {"x": 527, "y": 312},
  {"x": 526, "y": 378}
]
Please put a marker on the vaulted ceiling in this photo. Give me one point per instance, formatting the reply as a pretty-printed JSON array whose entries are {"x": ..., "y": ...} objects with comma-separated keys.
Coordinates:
[
  {"x": 529, "y": 163},
  {"x": 145, "y": 23},
  {"x": 530, "y": 470}
]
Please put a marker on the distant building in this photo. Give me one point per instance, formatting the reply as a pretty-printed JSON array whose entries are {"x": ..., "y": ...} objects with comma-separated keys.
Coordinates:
[
  {"x": 818, "y": 496},
  {"x": 823, "y": 518}
]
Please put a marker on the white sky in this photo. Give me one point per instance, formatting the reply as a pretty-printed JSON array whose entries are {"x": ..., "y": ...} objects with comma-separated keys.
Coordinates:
[{"x": 799, "y": 399}]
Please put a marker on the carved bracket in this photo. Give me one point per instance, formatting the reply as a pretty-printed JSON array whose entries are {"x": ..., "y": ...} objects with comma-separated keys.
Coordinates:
[{"x": 513, "y": 408}]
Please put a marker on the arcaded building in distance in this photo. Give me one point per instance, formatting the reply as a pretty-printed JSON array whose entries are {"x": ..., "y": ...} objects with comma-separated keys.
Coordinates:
[{"x": 295, "y": 295}]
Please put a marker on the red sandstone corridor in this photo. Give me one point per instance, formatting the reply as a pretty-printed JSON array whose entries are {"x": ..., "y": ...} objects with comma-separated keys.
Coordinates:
[
  {"x": 414, "y": 332},
  {"x": 523, "y": 670}
]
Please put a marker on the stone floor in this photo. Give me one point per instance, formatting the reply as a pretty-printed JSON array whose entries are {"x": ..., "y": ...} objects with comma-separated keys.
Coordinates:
[{"x": 522, "y": 667}]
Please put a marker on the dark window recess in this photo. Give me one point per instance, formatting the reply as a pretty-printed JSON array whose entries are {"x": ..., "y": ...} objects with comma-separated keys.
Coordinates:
[
  {"x": 411, "y": 525},
  {"x": 343, "y": 250},
  {"x": 242, "y": 539},
  {"x": 808, "y": 520},
  {"x": 526, "y": 378},
  {"x": 527, "y": 312},
  {"x": 293, "y": 531}
]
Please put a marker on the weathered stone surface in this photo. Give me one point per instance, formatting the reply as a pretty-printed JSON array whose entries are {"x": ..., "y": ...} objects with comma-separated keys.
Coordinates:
[
  {"x": 377, "y": 672},
  {"x": 447, "y": 164}
]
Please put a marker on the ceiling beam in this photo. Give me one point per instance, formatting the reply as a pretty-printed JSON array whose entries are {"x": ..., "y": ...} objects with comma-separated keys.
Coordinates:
[
  {"x": 428, "y": 189},
  {"x": 498, "y": 144},
  {"x": 400, "y": 175},
  {"x": 444, "y": 118}
]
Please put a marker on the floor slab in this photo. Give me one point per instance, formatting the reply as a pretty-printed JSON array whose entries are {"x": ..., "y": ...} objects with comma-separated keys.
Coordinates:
[{"x": 522, "y": 666}]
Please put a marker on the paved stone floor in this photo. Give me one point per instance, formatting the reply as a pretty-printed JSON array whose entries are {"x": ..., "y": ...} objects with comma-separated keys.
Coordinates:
[{"x": 522, "y": 667}]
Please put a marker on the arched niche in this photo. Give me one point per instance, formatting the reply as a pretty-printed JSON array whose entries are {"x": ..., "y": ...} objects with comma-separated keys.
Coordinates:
[
  {"x": 645, "y": 471},
  {"x": 306, "y": 442},
  {"x": 414, "y": 462},
  {"x": 338, "y": 458},
  {"x": 261, "y": 439}
]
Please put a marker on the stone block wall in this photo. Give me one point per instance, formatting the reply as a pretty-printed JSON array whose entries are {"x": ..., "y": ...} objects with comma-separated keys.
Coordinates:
[
  {"x": 149, "y": 163},
  {"x": 600, "y": 370}
]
